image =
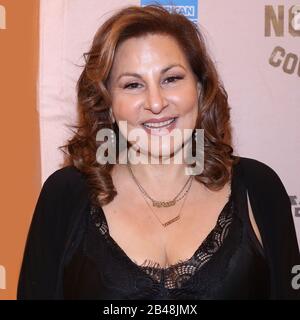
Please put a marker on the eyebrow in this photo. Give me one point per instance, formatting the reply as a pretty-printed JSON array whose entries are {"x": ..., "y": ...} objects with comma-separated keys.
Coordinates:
[{"x": 164, "y": 70}]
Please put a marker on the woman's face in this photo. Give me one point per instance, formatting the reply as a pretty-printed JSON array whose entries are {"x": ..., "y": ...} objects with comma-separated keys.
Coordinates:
[{"x": 151, "y": 80}]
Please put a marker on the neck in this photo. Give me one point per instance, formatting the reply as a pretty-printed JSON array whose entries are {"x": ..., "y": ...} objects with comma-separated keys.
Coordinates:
[{"x": 161, "y": 179}]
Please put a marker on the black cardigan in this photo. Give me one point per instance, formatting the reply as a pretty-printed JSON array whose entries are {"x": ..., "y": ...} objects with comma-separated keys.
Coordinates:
[{"x": 64, "y": 198}]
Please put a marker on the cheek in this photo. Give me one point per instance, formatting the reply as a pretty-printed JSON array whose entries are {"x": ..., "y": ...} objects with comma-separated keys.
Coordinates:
[
  {"x": 188, "y": 103},
  {"x": 186, "y": 96},
  {"x": 125, "y": 108}
]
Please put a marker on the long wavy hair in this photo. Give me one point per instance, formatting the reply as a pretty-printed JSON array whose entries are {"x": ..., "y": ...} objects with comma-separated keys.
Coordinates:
[{"x": 94, "y": 100}]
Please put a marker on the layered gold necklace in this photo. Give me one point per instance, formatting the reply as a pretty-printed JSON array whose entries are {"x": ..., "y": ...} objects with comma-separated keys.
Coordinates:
[{"x": 164, "y": 204}]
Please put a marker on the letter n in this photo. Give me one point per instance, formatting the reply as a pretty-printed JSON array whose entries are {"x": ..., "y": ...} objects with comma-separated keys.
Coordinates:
[{"x": 277, "y": 21}]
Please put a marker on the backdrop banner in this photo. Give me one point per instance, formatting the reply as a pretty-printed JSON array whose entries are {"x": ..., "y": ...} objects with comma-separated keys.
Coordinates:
[{"x": 255, "y": 45}]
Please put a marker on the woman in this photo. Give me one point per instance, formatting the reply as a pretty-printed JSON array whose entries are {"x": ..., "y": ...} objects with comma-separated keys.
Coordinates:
[{"x": 145, "y": 229}]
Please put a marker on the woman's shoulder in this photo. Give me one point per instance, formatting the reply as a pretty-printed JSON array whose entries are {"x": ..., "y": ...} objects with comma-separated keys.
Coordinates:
[
  {"x": 261, "y": 178},
  {"x": 255, "y": 168},
  {"x": 64, "y": 175},
  {"x": 63, "y": 193},
  {"x": 64, "y": 180}
]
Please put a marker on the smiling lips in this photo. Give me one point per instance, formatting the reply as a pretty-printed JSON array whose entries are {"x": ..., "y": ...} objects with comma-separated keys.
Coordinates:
[
  {"x": 160, "y": 126},
  {"x": 158, "y": 123}
]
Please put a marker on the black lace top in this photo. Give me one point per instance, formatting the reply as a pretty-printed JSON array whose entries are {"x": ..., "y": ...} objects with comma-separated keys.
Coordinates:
[{"x": 228, "y": 264}]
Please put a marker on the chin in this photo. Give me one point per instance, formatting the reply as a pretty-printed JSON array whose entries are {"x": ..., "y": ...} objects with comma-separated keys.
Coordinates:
[{"x": 163, "y": 152}]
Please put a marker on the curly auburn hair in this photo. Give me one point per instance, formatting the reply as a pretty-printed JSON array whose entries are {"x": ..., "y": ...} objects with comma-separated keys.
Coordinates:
[{"x": 94, "y": 99}]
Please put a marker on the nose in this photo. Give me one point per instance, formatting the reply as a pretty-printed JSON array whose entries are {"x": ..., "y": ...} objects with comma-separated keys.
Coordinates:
[{"x": 156, "y": 101}]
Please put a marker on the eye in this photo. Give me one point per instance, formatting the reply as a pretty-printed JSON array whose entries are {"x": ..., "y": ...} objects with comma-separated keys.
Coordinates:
[
  {"x": 132, "y": 85},
  {"x": 174, "y": 79}
]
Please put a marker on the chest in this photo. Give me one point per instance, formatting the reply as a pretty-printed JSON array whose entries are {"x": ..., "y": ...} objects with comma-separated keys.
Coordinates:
[{"x": 139, "y": 233}]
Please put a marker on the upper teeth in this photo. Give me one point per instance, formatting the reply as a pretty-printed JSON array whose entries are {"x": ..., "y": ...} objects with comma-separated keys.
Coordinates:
[{"x": 158, "y": 124}]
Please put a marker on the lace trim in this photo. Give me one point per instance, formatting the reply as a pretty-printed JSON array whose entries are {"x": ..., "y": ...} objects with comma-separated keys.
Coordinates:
[{"x": 176, "y": 275}]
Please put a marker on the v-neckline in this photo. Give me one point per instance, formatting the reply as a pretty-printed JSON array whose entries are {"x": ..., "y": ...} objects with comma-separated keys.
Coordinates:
[
  {"x": 172, "y": 266},
  {"x": 141, "y": 268}
]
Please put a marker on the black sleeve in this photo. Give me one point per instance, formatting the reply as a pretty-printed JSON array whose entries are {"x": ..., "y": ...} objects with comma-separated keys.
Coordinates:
[
  {"x": 273, "y": 214},
  {"x": 39, "y": 269}
]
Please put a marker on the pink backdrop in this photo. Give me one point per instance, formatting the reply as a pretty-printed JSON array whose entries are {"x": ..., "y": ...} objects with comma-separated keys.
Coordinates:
[{"x": 265, "y": 99}]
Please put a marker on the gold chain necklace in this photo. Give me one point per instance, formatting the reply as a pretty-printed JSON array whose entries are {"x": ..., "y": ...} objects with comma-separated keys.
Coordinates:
[
  {"x": 156, "y": 203},
  {"x": 162, "y": 203},
  {"x": 167, "y": 223}
]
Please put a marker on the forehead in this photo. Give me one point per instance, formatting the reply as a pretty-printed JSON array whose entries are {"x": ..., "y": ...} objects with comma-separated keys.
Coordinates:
[{"x": 152, "y": 50}]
